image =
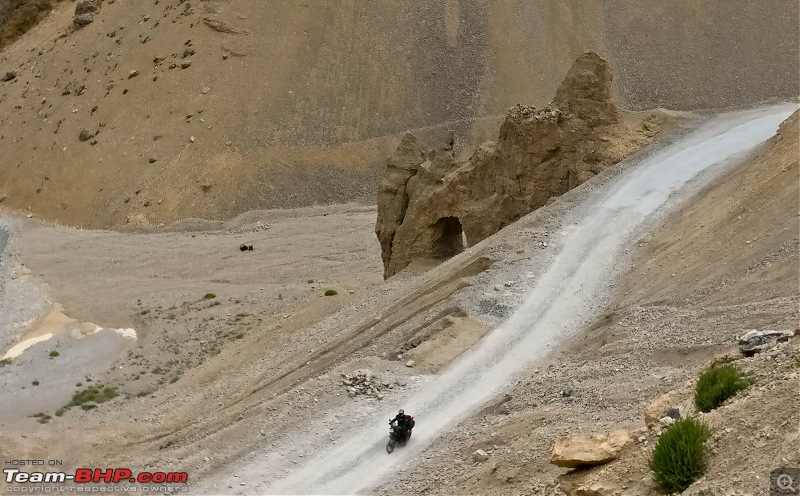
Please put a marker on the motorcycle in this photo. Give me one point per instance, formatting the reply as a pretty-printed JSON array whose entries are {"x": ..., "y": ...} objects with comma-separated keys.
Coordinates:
[{"x": 396, "y": 435}]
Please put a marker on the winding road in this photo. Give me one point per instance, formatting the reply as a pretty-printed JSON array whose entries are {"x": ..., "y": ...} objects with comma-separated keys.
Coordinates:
[{"x": 569, "y": 293}]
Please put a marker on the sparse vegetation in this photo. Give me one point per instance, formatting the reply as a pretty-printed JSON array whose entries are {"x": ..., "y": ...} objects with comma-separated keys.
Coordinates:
[
  {"x": 330, "y": 292},
  {"x": 5, "y": 361},
  {"x": 678, "y": 458},
  {"x": 54, "y": 354},
  {"x": 717, "y": 385},
  {"x": 209, "y": 296},
  {"x": 94, "y": 394},
  {"x": 42, "y": 417},
  {"x": 35, "y": 383}
]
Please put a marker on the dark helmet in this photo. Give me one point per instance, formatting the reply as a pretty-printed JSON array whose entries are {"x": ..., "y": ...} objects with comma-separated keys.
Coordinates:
[{"x": 401, "y": 412}]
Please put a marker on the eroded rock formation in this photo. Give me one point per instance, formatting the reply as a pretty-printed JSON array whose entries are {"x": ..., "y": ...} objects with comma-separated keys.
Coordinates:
[{"x": 431, "y": 207}]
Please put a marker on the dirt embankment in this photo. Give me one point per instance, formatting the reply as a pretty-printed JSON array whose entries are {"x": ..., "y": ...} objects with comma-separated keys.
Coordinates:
[{"x": 302, "y": 103}]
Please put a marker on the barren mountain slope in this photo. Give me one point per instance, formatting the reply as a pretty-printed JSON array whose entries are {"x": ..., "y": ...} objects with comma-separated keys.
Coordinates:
[
  {"x": 300, "y": 102},
  {"x": 725, "y": 263}
]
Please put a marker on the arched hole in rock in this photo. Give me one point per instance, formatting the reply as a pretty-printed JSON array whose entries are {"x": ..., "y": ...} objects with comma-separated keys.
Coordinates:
[{"x": 449, "y": 239}]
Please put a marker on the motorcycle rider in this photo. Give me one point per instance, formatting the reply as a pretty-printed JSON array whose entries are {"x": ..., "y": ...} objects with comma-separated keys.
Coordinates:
[{"x": 404, "y": 422}]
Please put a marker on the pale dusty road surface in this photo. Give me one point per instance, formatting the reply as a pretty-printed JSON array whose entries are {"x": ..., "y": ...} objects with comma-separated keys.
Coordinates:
[{"x": 569, "y": 293}]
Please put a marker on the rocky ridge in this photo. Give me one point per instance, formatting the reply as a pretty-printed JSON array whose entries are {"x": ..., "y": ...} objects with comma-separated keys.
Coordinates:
[{"x": 431, "y": 207}]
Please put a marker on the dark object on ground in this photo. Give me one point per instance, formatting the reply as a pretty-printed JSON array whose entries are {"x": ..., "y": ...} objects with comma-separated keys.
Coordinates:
[{"x": 246, "y": 248}]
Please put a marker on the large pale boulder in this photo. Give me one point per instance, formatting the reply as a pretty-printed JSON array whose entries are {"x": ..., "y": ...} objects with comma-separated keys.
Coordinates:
[
  {"x": 430, "y": 207},
  {"x": 587, "y": 450}
]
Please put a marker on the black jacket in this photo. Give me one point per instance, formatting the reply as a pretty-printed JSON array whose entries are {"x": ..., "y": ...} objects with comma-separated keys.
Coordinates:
[{"x": 403, "y": 421}]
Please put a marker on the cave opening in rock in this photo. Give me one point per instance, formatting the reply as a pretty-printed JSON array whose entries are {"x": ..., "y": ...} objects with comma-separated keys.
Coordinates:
[{"x": 449, "y": 239}]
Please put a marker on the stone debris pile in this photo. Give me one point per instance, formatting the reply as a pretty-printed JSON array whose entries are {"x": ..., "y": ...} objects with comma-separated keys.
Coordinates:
[{"x": 364, "y": 382}]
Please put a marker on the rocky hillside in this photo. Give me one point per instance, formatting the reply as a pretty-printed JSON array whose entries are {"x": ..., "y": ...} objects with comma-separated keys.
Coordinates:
[
  {"x": 19, "y": 16},
  {"x": 431, "y": 207},
  {"x": 209, "y": 108},
  {"x": 724, "y": 264}
]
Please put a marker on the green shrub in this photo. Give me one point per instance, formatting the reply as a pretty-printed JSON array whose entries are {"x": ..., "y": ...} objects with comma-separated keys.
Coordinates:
[
  {"x": 209, "y": 296},
  {"x": 54, "y": 354},
  {"x": 95, "y": 394},
  {"x": 330, "y": 292},
  {"x": 678, "y": 458},
  {"x": 717, "y": 385},
  {"x": 35, "y": 383}
]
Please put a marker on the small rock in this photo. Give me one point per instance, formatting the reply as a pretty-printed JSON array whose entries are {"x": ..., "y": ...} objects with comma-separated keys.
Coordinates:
[
  {"x": 755, "y": 341},
  {"x": 666, "y": 421},
  {"x": 186, "y": 64},
  {"x": 10, "y": 75},
  {"x": 566, "y": 392},
  {"x": 151, "y": 160},
  {"x": 262, "y": 433},
  {"x": 410, "y": 363},
  {"x": 480, "y": 456},
  {"x": 133, "y": 74},
  {"x": 83, "y": 19},
  {"x": 191, "y": 138},
  {"x": 85, "y": 135},
  {"x": 205, "y": 90}
]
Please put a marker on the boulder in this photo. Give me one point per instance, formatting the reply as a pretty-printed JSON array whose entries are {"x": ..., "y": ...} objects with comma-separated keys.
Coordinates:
[
  {"x": 754, "y": 341},
  {"x": 9, "y": 76},
  {"x": 587, "y": 450},
  {"x": 84, "y": 12},
  {"x": 431, "y": 207},
  {"x": 86, "y": 7}
]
